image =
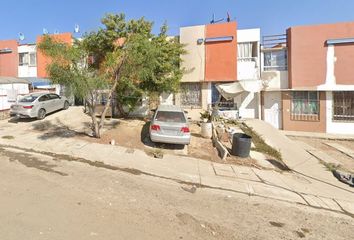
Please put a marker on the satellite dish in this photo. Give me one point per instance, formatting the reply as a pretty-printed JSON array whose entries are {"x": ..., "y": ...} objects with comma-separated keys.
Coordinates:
[
  {"x": 77, "y": 28},
  {"x": 21, "y": 36},
  {"x": 45, "y": 31}
]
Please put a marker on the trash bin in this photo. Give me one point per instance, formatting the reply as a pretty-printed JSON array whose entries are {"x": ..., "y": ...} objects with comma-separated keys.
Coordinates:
[{"x": 241, "y": 145}]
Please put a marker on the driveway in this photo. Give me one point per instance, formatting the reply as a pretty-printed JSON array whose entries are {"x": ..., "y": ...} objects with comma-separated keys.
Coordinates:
[
  {"x": 338, "y": 152},
  {"x": 65, "y": 123}
]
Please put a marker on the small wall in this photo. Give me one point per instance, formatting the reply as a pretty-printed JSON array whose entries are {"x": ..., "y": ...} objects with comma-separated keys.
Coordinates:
[
  {"x": 298, "y": 125},
  {"x": 337, "y": 127},
  {"x": 16, "y": 89},
  {"x": 248, "y": 104}
]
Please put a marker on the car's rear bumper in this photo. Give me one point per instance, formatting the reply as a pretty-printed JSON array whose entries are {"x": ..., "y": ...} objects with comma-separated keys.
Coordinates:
[
  {"x": 183, "y": 140},
  {"x": 23, "y": 113}
]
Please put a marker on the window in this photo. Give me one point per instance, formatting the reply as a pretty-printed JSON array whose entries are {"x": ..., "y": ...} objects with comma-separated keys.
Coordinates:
[
  {"x": 32, "y": 59},
  {"x": 343, "y": 106},
  {"x": 28, "y": 98},
  {"x": 247, "y": 51},
  {"x": 191, "y": 94},
  {"x": 305, "y": 106},
  {"x": 218, "y": 100},
  {"x": 23, "y": 59},
  {"x": 276, "y": 60},
  {"x": 43, "y": 98},
  {"x": 53, "y": 96},
  {"x": 166, "y": 116}
]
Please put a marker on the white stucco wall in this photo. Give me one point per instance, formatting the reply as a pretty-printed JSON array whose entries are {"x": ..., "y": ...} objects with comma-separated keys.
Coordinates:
[
  {"x": 275, "y": 79},
  {"x": 27, "y": 70},
  {"x": 249, "y": 69},
  {"x": 247, "y": 104},
  {"x": 249, "y": 35},
  {"x": 194, "y": 60},
  {"x": 16, "y": 89},
  {"x": 336, "y": 126}
]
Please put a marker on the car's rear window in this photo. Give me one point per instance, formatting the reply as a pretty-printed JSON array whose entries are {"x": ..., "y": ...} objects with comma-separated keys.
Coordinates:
[
  {"x": 29, "y": 98},
  {"x": 166, "y": 116}
]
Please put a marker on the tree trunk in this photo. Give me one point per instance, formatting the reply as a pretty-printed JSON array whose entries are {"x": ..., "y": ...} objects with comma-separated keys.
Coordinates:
[
  {"x": 113, "y": 88},
  {"x": 120, "y": 108},
  {"x": 92, "y": 111}
]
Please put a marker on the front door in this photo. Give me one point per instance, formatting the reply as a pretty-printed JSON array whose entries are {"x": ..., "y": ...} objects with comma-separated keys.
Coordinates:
[{"x": 272, "y": 109}]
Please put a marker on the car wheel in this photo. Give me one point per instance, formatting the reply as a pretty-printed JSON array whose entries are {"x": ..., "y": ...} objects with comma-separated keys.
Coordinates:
[
  {"x": 66, "y": 105},
  {"x": 41, "y": 114}
]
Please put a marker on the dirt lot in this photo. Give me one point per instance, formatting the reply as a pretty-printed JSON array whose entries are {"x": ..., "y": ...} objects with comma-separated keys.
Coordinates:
[
  {"x": 134, "y": 133},
  {"x": 129, "y": 133},
  {"x": 346, "y": 161}
]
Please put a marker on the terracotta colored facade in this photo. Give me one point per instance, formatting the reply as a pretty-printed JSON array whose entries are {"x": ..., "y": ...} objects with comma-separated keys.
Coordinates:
[
  {"x": 307, "y": 54},
  {"x": 344, "y": 66},
  {"x": 9, "y": 61},
  {"x": 303, "y": 125},
  {"x": 221, "y": 57},
  {"x": 42, "y": 60}
]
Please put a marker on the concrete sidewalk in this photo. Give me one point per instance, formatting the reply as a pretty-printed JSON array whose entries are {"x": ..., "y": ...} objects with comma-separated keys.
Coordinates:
[
  {"x": 290, "y": 187},
  {"x": 294, "y": 155},
  {"x": 319, "y": 135}
]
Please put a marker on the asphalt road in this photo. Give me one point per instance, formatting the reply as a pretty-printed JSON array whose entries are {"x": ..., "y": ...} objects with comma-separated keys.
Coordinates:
[{"x": 58, "y": 197}]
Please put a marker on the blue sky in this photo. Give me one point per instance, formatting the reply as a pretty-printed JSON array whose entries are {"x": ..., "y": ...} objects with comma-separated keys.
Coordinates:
[{"x": 272, "y": 16}]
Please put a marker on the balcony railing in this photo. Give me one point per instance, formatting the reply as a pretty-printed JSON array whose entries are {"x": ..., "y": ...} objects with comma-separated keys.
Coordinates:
[{"x": 272, "y": 41}]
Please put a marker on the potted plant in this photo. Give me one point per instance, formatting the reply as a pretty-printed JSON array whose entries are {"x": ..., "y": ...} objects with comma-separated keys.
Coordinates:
[
  {"x": 205, "y": 116},
  {"x": 206, "y": 126}
]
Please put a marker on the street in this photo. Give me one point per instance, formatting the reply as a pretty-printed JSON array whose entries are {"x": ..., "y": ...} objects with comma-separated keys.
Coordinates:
[{"x": 59, "y": 197}]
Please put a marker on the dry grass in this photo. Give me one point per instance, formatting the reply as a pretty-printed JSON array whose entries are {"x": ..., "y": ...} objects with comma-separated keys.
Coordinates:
[{"x": 260, "y": 144}]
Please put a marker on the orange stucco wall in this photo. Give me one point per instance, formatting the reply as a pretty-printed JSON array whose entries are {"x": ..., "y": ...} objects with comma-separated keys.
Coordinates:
[
  {"x": 308, "y": 52},
  {"x": 9, "y": 61},
  {"x": 298, "y": 125},
  {"x": 42, "y": 60},
  {"x": 221, "y": 57}
]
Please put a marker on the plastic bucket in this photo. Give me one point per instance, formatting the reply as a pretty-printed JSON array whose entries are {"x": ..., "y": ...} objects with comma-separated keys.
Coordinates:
[{"x": 241, "y": 145}]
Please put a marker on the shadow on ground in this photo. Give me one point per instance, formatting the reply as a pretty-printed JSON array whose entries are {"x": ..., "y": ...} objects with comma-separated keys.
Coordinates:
[
  {"x": 62, "y": 130},
  {"x": 145, "y": 139},
  {"x": 15, "y": 119}
]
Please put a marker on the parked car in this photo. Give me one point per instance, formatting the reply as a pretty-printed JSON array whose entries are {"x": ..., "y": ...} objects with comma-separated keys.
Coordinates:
[
  {"x": 170, "y": 125},
  {"x": 38, "y": 105}
]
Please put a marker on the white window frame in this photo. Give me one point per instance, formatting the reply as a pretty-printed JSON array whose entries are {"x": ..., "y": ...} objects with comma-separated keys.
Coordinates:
[
  {"x": 31, "y": 64},
  {"x": 275, "y": 67}
]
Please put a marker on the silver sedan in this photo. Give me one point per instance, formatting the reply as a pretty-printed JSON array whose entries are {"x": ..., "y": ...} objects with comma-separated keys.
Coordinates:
[
  {"x": 38, "y": 105},
  {"x": 170, "y": 125}
]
